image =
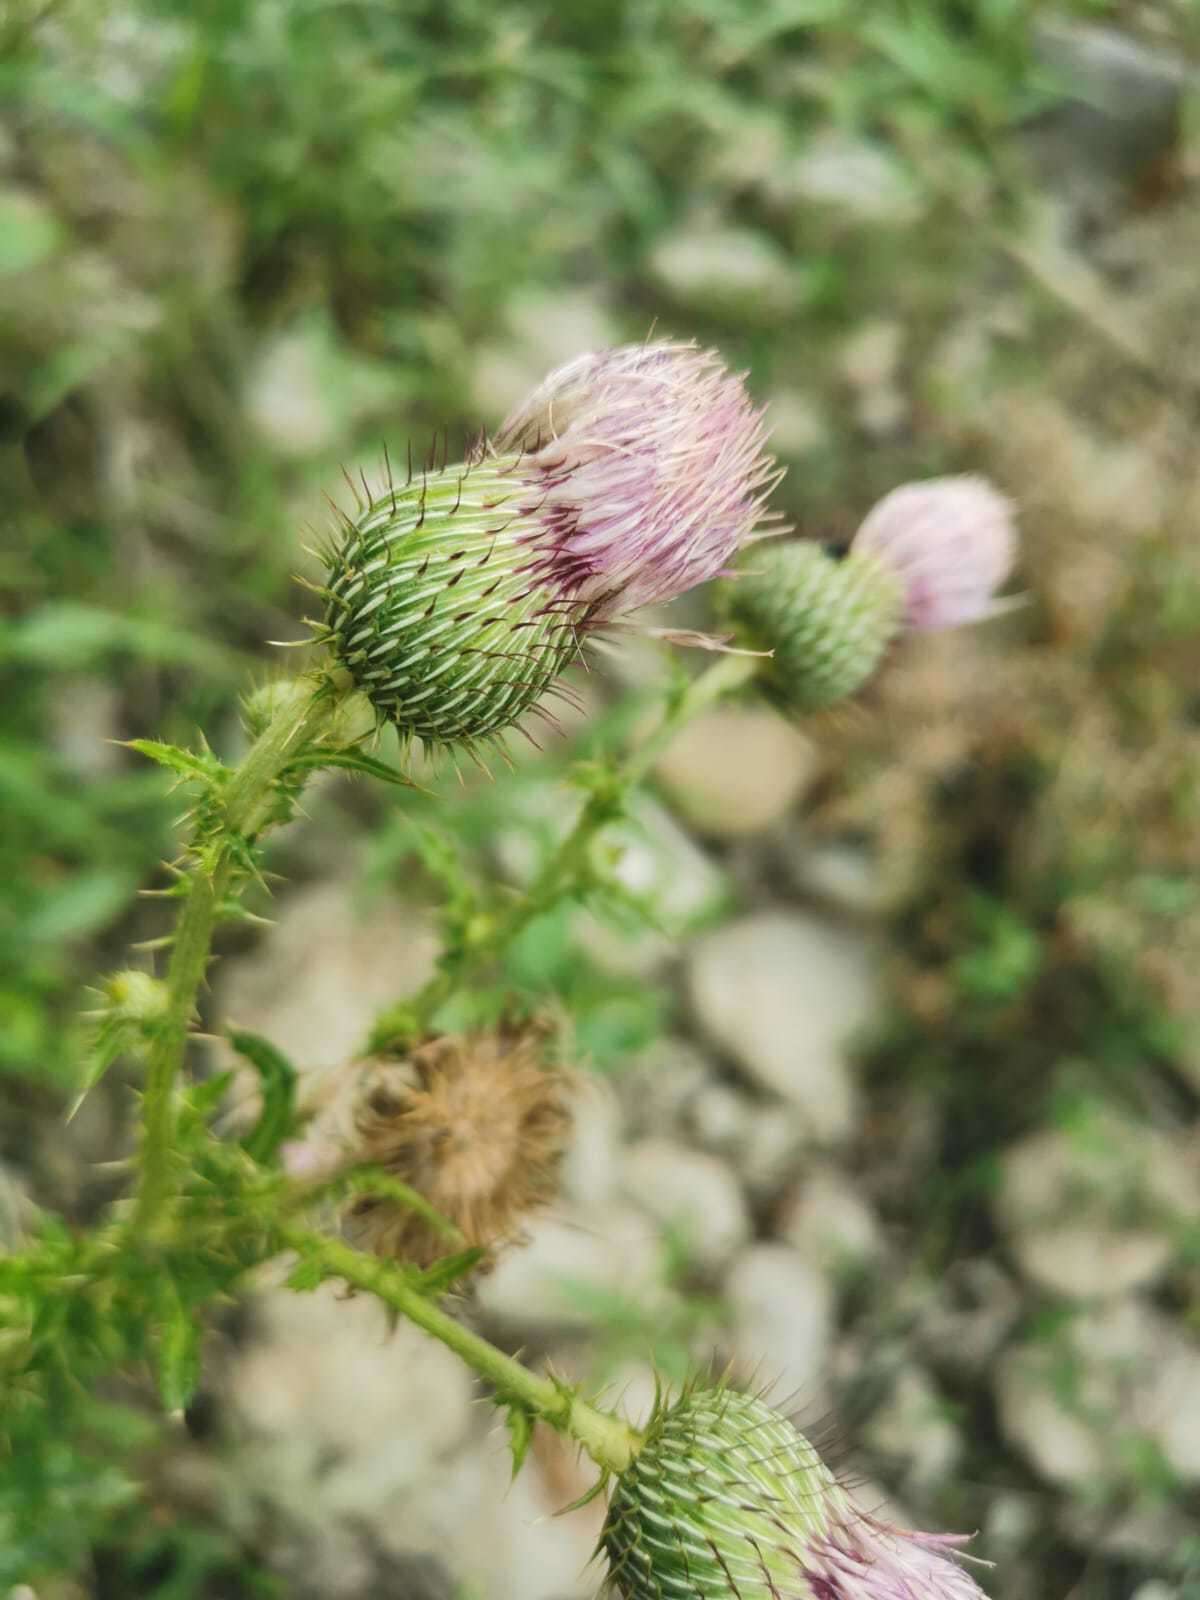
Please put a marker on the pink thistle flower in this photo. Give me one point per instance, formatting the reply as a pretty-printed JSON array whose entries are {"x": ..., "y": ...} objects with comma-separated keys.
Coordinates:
[
  {"x": 724, "y": 1498},
  {"x": 952, "y": 543},
  {"x": 649, "y": 467}
]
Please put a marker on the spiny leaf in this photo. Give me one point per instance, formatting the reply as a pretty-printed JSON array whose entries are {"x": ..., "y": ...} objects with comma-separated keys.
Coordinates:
[
  {"x": 278, "y": 1079},
  {"x": 206, "y": 767}
]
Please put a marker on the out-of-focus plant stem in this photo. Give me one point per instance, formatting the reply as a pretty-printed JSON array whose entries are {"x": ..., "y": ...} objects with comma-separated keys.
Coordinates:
[{"x": 568, "y": 865}]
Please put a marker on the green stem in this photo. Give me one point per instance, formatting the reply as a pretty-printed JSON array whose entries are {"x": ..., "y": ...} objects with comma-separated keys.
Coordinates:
[
  {"x": 247, "y": 806},
  {"x": 611, "y": 1442},
  {"x": 410, "y": 1019}
]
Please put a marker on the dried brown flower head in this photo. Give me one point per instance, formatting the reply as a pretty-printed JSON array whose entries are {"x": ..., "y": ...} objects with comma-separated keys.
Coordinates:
[{"x": 476, "y": 1123}]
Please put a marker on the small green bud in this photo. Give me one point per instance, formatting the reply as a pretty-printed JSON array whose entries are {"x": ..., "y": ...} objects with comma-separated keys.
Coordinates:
[
  {"x": 827, "y": 623},
  {"x": 726, "y": 1500},
  {"x": 134, "y": 996},
  {"x": 262, "y": 705}
]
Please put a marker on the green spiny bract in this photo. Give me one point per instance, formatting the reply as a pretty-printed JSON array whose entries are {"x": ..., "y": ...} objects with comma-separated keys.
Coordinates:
[
  {"x": 714, "y": 1503},
  {"x": 827, "y": 623},
  {"x": 726, "y": 1500},
  {"x": 439, "y": 605}
]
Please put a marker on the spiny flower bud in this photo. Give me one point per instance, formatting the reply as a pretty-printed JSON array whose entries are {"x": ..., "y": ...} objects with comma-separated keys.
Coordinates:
[
  {"x": 725, "y": 1500},
  {"x": 135, "y": 997},
  {"x": 826, "y": 623},
  {"x": 476, "y": 1124},
  {"x": 951, "y": 541},
  {"x": 629, "y": 476}
]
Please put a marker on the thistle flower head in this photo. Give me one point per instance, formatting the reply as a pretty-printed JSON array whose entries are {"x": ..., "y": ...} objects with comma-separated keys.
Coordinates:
[
  {"x": 726, "y": 1500},
  {"x": 476, "y": 1124},
  {"x": 652, "y": 462},
  {"x": 456, "y": 599},
  {"x": 826, "y": 623},
  {"x": 951, "y": 541}
]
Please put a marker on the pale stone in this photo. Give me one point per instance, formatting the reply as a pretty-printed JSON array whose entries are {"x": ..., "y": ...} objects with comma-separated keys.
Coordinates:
[
  {"x": 782, "y": 1312},
  {"x": 828, "y": 1222},
  {"x": 614, "y": 1253},
  {"x": 711, "y": 267},
  {"x": 913, "y": 1429},
  {"x": 692, "y": 1195},
  {"x": 852, "y": 176},
  {"x": 329, "y": 967},
  {"x": 1090, "y": 1211},
  {"x": 784, "y": 994},
  {"x": 736, "y": 770},
  {"x": 1129, "y": 1369}
]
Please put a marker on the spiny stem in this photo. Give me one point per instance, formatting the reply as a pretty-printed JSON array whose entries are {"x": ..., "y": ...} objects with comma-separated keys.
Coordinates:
[
  {"x": 568, "y": 864},
  {"x": 610, "y": 1441},
  {"x": 247, "y": 805}
]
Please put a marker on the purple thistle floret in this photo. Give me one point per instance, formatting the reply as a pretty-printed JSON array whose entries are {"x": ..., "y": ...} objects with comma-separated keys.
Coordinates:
[
  {"x": 952, "y": 543},
  {"x": 864, "y": 1559},
  {"x": 648, "y": 471}
]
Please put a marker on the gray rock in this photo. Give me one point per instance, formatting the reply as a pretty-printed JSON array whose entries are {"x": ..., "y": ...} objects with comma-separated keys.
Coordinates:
[
  {"x": 829, "y": 1223},
  {"x": 661, "y": 1084},
  {"x": 306, "y": 389},
  {"x": 718, "y": 269},
  {"x": 782, "y": 1311},
  {"x": 535, "y": 1286},
  {"x": 329, "y": 967},
  {"x": 859, "y": 180},
  {"x": 1120, "y": 1367},
  {"x": 736, "y": 770},
  {"x": 1120, "y": 104},
  {"x": 543, "y": 330},
  {"x": 844, "y": 875},
  {"x": 912, "y": 1427},
  {"x": 590, "y": 1165},
  {"x": 784, "y": 994},
  {"x": 1094, "y": 1210},
  {"x": 692, "y": 1195}
]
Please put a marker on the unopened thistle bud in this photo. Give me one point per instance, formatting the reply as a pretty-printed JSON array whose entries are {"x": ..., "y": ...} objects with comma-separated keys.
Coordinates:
[
  {"x": 134, "y": 997},
  {"x": 827, "y": 623},
  {"x": 952, "y": 543},
  {"x": 629, "y": 476},
  {"x": 477, "y": 1124},
  {"x": 726, "y": 1500}
]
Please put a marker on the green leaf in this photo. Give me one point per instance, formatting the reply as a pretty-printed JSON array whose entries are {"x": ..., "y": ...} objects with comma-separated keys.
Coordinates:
[
  {"x": 305, "y": 1276},
  {"x": 444, "y": 1274},
  {"x": 278, "y": 1078},
  {"x": 351, "y": 761},
  {"x": 520, "y": 1433},
  {"x": 178, "y": 1351},
  {"x": 205, "y": 766}
]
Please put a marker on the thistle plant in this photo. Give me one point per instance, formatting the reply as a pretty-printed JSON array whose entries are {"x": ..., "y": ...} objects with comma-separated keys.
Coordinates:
[{"x": 453, "y": 603}]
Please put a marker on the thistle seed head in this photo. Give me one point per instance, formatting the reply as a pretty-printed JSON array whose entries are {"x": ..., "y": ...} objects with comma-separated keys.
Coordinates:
[
  {"x": 826, "y": 623},
  {"x": 476, "y": 1123},
  {"x": 726, "y": 1500},
  {"x": 651, "y": 463},
  {"x": 952, "y": 543}
]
